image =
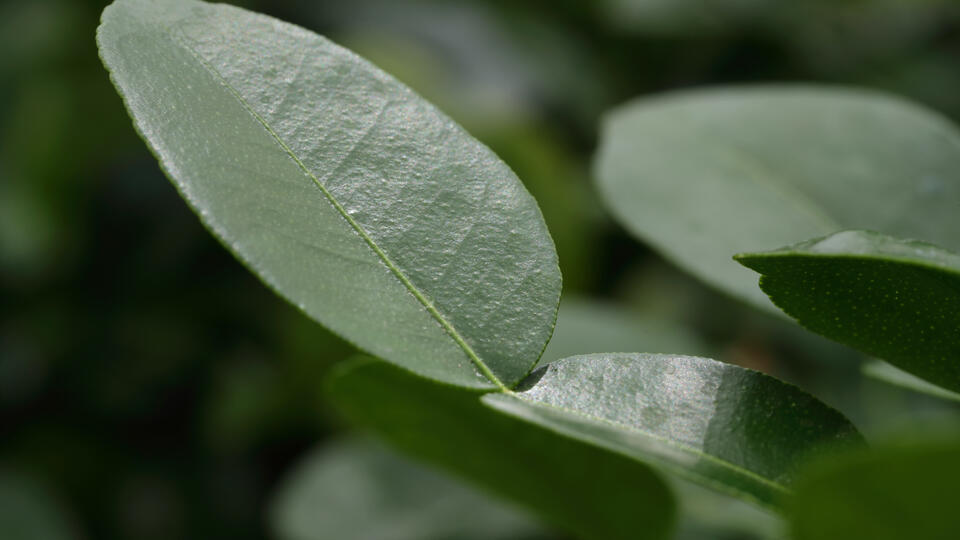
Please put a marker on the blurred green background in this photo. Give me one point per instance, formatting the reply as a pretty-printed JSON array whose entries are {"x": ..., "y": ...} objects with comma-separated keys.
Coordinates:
[{"x": 151, "y": 387}]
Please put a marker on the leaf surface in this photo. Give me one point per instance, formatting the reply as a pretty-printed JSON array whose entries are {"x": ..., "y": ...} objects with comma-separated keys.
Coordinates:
[
  {"x": 890, "y": 493},
  {"x": 354, "y": 489},
  {"x": 895, "y": 299},
  {"x": 343, "y": 190},
  {"x": 573, "y": 485},
  {"x": 705, "y": 174},
  {"x": 726, "y": 427}
]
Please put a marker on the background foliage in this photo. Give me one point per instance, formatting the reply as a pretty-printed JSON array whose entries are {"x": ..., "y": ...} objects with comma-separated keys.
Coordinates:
[{"x": 152, "y": 388}]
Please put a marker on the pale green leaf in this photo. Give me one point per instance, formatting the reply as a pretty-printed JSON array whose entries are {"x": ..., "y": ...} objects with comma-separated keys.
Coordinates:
[
  {"x": 729, "y": 428},
  {"x": 573, "y": 485},
  {"x": 703, "y": 175},
  {"x": 338, "y": 186},
  {"x": 354, "y": 489}
]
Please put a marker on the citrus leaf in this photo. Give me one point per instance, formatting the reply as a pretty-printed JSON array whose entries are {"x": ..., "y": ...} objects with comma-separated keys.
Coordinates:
[
  {"x": 895, "y": 299},
  {"x": 729, "y": 428},
  {"x": 889, "y": 493},
  {"x": 354, "y": 489},
  {"x": 705, "y": 174},
  {"x": 339, "y": 187},
  {"x": 568, "y": 483}
]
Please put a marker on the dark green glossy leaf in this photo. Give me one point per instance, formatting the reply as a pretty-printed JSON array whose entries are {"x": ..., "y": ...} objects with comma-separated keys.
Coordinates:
[
  {"x": 895, "y": 299},
  {"x": 343, "y": 190},
  {"x": 571, "y": 484},
  {"x": 888, "y": 494},
  {"x": 729, "y": 428},
  {"x": 706, "y": 174},
  {"x": 883, "y": 371},
  {"x": 354, "y": 489}
]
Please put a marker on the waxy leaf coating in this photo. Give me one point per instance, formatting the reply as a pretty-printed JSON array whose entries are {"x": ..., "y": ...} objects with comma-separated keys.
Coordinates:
[
  {"x": 574, "y": 485},
  {"x": 726, "y": 427},
  {"x": 702, "y": 175},
  {"x": 343, "y": 190},
  {"x": 895, "y": 299}
]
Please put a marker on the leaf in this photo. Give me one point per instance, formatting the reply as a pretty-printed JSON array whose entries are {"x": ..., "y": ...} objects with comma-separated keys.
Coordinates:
[
  {"x": 705, "y": 174},
  {"x": 573, "y": 485},
  {"x": 343, "y": 190},
  {"x": 586, "y": 326},
  {"x": 726, "y": 427},
  {"x": 354, "y": 489},
  {"x": 890, "y": 493},
  {"x": 895, "y": 299},
  {"x": 681, "y": 18},
  {"x": 883, "y": 371},
  {"x": 705, "y": 513}
]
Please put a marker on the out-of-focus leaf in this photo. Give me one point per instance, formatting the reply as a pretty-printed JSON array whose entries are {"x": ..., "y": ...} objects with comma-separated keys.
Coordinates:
[
  {"x": 895, "y": 299},
  {"x": 889, "y": 493},
  {"x": 342, "y": 189},
  {"x": 729, "y": 428},
  {"x": 681, "y": 17},
  {"x": 706, "y": 514},
  {"x": 354, "y": 489},
  {"x": 29, "y": 512},
  {"x": 883, "y": 371},
  {"x": 704, "y": 175},
  {"x": 585, "y": 327},
  {"x": 571, "y": 484}
]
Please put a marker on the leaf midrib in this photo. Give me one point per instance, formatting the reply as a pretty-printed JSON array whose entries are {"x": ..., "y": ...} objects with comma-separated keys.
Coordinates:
[
  {"x": 397, "y": 272},
  {"x": 748, "y": 474}
]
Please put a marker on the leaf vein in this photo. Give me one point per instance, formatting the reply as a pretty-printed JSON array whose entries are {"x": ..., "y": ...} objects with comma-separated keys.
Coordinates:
[
  {"x": 397, "y": 272},
  {"x": 670, "y": 442}
]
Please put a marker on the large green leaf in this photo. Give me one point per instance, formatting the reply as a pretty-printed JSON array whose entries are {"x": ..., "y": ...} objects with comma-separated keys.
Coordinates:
[
  {"x": 895, "y": 299},
  {"x": 727, "y": 427},
  {"x": 342, "y": 189},
  {"x": 706, "y": 174},
  {"x": 891, "y": 493},
  {"x": 571, "y": 484},
  {"x": 354, "y": 489}
]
